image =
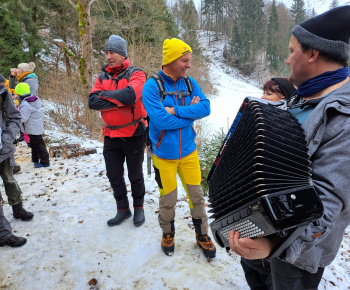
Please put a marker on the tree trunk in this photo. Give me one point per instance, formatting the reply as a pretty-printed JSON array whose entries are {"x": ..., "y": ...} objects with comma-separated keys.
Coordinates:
[
  {"x": 53, "y": 150},
  {"x": 85, "y": 62},
  {"x": 85, "y": 65},
  {"x": 75, "y": 152}
]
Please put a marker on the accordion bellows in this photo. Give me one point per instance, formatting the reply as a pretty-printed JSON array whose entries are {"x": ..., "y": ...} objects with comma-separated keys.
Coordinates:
[{"x": 260, "y": 183}]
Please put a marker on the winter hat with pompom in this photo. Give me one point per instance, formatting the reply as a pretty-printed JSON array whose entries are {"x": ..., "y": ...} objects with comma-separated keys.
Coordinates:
[
  {"x": 173, "y": 49},
  {"x": 22, "y": 89},
  {"x": 25, "y": 67}
]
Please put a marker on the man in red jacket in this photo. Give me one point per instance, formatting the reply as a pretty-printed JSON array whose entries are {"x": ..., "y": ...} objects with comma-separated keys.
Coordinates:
[{"x": 117, "y": 95}]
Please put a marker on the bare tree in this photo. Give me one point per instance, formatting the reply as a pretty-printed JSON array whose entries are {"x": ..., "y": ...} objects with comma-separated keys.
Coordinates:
[{"x": 85, "y": 60}]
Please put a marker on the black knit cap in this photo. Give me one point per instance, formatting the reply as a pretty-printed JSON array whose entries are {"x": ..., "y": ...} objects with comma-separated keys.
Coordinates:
[
  {"x": 286, "y": 87},
  {"x": 328, "y": 32}
]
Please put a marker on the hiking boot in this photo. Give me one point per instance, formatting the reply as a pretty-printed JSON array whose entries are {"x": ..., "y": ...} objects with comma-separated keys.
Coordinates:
[
  {"x": 16, "y": 169},
  {"x": 20, "y": 213},
  {"x": 121, "y": 216},
  {"x": 139, "y": 216},
  {"x": 204, "y": 242},
  {"x": 14, "y": 241},
  {"x": 38, "y": 165},
  {"x": 168, "y": 243}
]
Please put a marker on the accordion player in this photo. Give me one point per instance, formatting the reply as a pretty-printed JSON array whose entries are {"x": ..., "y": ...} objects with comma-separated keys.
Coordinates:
[{"x": 260, "y": 183}]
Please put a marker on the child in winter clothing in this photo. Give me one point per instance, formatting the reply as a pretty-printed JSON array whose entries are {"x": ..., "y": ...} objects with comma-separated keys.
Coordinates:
[{"x": 33, "y": 124}]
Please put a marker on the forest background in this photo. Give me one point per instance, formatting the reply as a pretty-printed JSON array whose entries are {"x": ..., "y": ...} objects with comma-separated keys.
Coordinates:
[{"x": 66, "y": 38}]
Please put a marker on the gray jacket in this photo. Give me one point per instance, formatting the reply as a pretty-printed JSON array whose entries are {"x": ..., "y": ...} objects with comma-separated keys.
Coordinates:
[
  {"x": 31, "y": 79},
  {"x": 10, "y": 128},
  {"x": 328, "y": 135},
  {"x": 32, "y": 115}
]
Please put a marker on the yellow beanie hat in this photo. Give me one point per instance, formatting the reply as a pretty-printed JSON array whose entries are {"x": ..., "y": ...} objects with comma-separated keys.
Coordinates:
[
  {"x": 22, "y": 89},
  {"x": 173, "y": 49}
]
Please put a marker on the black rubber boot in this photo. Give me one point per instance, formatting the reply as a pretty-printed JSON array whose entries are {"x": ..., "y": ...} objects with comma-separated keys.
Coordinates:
[
  {"x": 14, "y": 241},
  {"x": 16, "y": 169},
  {"x": 139, "y": 216},
  {"x": 121, "y": 216},
  {"x": 20, "y": 213}
]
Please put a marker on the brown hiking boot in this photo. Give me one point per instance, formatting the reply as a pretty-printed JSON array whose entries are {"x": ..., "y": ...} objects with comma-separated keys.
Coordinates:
[
  {"x": 168, "y": 243},
  {"x": 207, "y": 245}
]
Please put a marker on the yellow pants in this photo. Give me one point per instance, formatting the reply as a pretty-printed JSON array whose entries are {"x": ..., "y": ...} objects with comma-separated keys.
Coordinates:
[{"x": 189, "y": 172}]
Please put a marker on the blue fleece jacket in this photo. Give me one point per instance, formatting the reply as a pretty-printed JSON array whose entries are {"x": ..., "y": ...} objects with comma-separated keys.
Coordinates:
[{"x": 172, "y": 136}]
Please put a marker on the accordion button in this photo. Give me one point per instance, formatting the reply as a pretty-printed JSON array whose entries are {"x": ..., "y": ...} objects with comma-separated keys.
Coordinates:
[
  {"x": 244, "y": 212},
  {"x": 230, "y": 219}
]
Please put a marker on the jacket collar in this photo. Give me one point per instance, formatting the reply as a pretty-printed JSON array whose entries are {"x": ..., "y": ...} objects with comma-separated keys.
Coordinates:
[
  {"x": 167, "y": 77},
  {"x": 114, "y": 71}
]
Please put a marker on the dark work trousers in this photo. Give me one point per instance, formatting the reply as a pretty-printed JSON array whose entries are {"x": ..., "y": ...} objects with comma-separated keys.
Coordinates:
[
  {"x": 5, "y": 227},
  {"x": 39, "y": 151},
  {"x": 279, "y": 275},
  {"x": 12, "y": 189},
  {"x": 115, "y": 152}
]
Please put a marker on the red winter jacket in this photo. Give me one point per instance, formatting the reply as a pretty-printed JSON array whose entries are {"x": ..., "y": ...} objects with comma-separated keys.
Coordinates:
[{"x": 117, "y": 95}]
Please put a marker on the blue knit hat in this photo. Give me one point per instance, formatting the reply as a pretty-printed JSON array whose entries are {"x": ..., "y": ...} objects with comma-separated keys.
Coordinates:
[
  {"x": 328, "y": 32},
  {"x": 117, "y": 44}
]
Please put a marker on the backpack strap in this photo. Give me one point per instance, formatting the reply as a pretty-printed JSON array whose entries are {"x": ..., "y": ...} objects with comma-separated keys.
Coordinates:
[
  {"x": 160, "y": 84},
  {"x": 125, "y": 125},
  {"x": 188, "y": 83},
  {"x": 181, "y": 94}
]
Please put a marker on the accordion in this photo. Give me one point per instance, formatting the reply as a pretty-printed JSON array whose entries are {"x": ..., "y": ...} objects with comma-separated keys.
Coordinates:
[{"x": 260, "y": 183}]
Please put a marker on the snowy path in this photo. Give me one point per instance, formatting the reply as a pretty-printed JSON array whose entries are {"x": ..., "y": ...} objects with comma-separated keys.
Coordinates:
[{"x": 69, "y": 242}]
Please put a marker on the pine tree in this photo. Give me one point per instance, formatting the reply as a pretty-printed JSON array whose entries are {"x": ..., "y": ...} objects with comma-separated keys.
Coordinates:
[
  {"x": 11, "y": 44},
  {"x": 298, "y": 12},
  {"x": 272, "y": 41},
  {"x": 30, "y": 14},
  {"x": 187, "y": 19},
  {"x": 250, "y": 31}
]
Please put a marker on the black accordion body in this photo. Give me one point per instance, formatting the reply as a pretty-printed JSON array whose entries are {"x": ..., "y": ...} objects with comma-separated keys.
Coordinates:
[{"x": 260, "y": 183}]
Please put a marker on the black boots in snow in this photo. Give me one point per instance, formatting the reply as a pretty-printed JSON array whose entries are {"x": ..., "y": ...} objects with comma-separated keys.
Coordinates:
[
  {"x": 20, "y": 213},
  {"x": 122, "y": 215},
  {"x": 14, "y": 241},
  {"x": 139, "y": 216}
]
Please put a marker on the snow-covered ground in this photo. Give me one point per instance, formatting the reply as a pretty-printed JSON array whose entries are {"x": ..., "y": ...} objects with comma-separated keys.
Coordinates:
[{"x": 69, "y": 242}]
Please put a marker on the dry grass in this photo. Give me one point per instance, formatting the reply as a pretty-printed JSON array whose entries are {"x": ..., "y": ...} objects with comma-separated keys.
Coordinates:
[{"x": 70, "y": 111}]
